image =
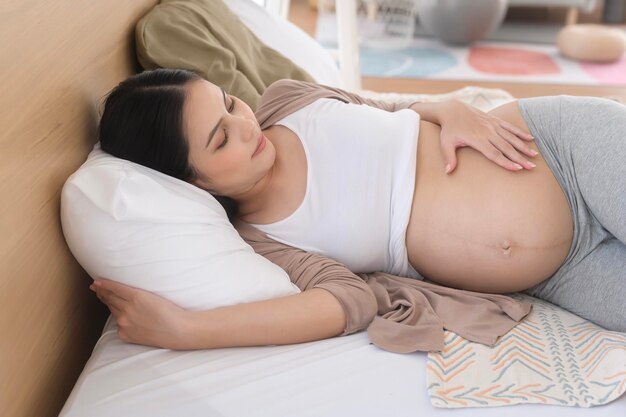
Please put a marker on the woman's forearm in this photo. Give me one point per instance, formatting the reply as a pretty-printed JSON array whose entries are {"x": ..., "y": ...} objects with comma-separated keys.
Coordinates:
[
  {"x": 432, "y": 112},
  {"x": 311, "y": 315}
]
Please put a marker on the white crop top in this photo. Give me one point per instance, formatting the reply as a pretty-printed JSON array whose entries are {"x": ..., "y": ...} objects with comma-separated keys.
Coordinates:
[{"x": 360, "y": 177}]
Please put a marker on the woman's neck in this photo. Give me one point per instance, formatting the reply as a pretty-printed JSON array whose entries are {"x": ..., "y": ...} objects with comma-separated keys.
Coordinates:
[
  {"x": 283, "y": 189},
  {"x": 255, "y": 199}
]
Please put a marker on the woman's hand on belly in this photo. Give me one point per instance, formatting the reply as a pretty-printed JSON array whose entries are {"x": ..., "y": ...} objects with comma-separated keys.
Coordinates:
[{"x": 463, "y": 125}]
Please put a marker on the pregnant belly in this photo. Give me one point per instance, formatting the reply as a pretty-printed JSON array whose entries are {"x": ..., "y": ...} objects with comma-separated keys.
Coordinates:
[{"x": 484, "y": 228}]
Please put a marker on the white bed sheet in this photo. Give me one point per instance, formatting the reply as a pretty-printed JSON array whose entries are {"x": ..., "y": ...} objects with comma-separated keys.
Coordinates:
[{"x": 341, "y": 377}]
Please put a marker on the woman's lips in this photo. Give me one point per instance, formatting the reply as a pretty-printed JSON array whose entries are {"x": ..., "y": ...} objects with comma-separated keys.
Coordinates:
[{"x": 260, "y": 146}]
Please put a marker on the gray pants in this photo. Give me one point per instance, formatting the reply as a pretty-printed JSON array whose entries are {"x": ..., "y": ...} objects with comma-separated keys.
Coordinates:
[{"x": 583, "y": 140}]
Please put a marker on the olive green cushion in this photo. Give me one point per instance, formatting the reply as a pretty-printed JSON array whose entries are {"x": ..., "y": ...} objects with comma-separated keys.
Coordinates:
[{"x": 207, "y": 37}]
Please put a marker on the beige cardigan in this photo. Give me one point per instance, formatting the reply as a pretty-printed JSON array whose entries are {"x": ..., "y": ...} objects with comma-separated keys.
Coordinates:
[{"x": 401, "y": 314}]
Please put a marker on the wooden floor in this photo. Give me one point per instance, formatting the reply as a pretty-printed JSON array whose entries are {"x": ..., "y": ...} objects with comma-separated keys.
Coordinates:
[{"x": 305, "y": 17}]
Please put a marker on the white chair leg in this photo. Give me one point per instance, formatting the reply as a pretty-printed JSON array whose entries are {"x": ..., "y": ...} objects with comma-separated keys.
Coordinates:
[{"x": 347, "y": 39}]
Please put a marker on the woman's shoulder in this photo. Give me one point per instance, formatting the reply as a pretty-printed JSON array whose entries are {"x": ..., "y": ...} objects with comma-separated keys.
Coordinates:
[
  {"x": 284, "y": 97},
  {"x": 286, "y": 88}
]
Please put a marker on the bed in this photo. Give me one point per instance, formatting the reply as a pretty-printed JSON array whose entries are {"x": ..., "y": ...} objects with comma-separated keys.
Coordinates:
[
  {"x": 344, "y": 376},
  {"x": 57, "y": 354}
]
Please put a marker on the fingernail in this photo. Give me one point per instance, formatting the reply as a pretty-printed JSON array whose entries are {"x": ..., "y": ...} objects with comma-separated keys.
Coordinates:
[
  {"x": 518, "y": 166},
  {"x": 534, "y": 152},
  {"x": 531, "y": 164},
  {"x": 448, "y": 169}
]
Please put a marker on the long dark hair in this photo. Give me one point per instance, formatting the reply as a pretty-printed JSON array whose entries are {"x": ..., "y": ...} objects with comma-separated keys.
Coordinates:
[{"x": 142, "y": 122}]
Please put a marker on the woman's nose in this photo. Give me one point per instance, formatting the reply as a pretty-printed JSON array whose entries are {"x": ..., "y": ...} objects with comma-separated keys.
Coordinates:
[{"x": 248, "y": 128}]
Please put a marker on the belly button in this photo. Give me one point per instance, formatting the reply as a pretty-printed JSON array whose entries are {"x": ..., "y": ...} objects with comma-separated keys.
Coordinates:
[{"x": 506, "y": 248}]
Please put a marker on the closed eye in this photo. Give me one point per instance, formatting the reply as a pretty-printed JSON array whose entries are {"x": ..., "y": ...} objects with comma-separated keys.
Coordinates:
[
  {"x": 229, "y": 109},
  {"x": 221, "y": 145}
]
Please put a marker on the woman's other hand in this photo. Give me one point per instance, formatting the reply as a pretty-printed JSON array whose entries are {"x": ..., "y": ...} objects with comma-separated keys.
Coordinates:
[
  {"x": 464, "y": 125},
  {"x": 143, "y": 317}
]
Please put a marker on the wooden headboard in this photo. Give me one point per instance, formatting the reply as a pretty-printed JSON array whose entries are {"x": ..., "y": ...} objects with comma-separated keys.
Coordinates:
[{"x": 58, "y": 58}]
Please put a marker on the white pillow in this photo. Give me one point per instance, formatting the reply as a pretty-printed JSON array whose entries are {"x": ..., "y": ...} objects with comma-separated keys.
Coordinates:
[
  {"x": 142, "y": 228},
  {"x": 288, "y": 39}
]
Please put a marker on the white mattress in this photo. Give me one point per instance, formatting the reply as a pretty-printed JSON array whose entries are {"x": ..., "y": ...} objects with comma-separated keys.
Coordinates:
[{"x": 344, "y": 377}]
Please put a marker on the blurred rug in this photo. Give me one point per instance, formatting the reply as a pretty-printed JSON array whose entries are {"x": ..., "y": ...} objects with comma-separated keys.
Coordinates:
[{"x": 428, "y": 58}]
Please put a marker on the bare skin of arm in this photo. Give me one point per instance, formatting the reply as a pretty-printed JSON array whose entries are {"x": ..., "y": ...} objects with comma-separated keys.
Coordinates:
[{"x": 148, "y": 319}]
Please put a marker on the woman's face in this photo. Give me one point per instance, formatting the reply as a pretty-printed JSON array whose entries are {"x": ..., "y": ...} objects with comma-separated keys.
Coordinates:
[{"x": 226, "y": 147}]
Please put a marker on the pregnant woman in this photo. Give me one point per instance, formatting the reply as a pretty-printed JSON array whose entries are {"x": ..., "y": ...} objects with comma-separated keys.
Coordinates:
[{"x": 363, "y": 182}]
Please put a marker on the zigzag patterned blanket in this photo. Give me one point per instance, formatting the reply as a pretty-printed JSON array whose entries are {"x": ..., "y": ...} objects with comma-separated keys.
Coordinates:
[{"x": 552, "y": 357}]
